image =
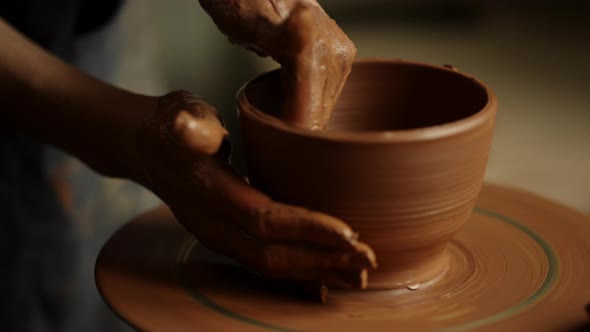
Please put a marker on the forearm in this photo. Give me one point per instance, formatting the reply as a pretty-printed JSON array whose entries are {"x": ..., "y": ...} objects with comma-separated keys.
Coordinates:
[{"x": 56, "y": 103}]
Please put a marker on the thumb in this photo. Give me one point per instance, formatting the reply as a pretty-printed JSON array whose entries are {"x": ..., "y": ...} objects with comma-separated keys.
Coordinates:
[{"x": 200, "y": 132}]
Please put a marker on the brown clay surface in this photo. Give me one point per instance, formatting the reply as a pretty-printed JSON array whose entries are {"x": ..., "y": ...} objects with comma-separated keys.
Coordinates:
[
  {"x": 402, "y": 159},
  {"x": 521, "y": 263}
]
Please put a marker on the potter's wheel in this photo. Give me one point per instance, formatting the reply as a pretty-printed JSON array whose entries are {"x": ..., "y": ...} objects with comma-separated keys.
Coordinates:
[{"x": 521, "y": 263}]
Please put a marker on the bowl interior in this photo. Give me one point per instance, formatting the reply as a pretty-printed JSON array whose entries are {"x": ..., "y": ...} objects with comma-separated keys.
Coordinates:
[{"x": 388, "y": 95}]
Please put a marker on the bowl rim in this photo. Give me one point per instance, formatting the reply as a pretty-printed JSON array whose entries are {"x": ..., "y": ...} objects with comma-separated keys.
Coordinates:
[{"x": 384, "y": 136}]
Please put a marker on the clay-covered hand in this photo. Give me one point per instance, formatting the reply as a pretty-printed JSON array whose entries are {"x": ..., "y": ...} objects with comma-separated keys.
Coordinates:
[
  {"x": 315, "y": 54},
  {"x": 182, "y": 150}
]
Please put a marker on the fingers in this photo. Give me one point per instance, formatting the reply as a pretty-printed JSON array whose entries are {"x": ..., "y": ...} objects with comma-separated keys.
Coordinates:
[
  {"x": 276, "y": 240},
  {"x": 346, "y": 278},
  {"x": 315, "y": 54},
  {"x": 316, "y": 62},
  {"x": 260, "y": 217},
  {"x": 284, "y": 261},
  {"x": 202, "y": 133},
  {"x": 284, "y": 256},
  {"x": 300, "y": 68},
  {"x": 253, "y": 24},
  {"x": 185, "y": 127},
  {"x": 281, "y": 222}
]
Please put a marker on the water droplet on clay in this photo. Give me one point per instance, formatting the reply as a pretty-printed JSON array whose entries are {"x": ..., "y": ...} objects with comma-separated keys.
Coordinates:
[{"x": 414, "y": 287}]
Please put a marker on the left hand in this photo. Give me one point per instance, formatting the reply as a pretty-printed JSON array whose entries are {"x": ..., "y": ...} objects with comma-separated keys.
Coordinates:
[{"x": 181, "y": 158}]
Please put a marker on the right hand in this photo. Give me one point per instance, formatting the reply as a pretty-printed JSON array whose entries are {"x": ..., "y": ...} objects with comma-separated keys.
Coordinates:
[
  {"x": 315, "y": 55},
  {"x": 179, "y": 158}
]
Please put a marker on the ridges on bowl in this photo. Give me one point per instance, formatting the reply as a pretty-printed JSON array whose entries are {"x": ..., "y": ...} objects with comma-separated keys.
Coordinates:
[{"x": 402, "y": 160}]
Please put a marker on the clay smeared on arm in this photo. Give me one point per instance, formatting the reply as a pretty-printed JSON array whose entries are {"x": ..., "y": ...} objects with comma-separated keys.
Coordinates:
[{"x": 315, "y": 55}]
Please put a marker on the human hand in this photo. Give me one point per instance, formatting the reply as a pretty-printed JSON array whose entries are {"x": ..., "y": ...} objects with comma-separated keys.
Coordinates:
[
  {"x": 182, "y": 154},
  {"x": 315, "y": 54}
]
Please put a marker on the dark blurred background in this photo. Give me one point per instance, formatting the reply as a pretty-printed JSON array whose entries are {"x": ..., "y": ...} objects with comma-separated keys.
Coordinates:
[{"x": 533, "y": 54}]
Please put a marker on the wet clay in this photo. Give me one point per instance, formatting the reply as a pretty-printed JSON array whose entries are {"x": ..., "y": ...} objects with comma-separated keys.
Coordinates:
[
  {"x": 511, "y": 269},
  {"x": 315, "y": 54},
  {"x": 401, "y": 161},
  {"x": 316, "y": 57}
]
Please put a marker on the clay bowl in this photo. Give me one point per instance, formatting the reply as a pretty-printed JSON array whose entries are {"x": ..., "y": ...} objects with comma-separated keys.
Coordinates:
[{"x": 402, "y": 160}]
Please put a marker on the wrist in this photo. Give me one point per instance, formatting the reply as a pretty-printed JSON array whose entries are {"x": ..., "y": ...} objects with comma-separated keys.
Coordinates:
[{"x": 131, "y": 160}]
